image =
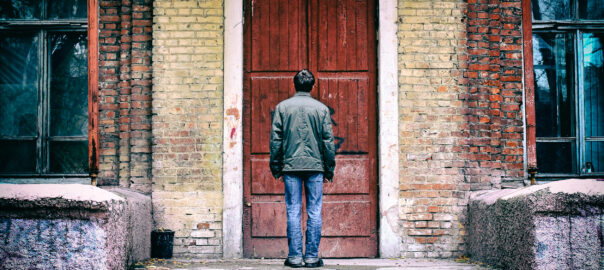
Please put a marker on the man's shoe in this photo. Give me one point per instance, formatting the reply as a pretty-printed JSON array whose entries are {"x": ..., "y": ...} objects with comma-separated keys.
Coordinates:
[
  {"x": 292, "y": 264},
  {"x": 316, "y": 264}
]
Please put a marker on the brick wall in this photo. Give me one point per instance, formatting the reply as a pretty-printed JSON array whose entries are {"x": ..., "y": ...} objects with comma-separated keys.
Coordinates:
[
  {"x": 460, "y": 114},
  {"x": 125, "y": 93},
  {"x": 493, "y": 102},
  {"x": 187, "y": 123},
  {"x": 432, "y": 188}
]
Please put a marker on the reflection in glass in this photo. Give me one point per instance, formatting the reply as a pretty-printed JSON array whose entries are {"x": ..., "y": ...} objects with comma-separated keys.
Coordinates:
[
  {"x": 17, "y": 156},
  {"x": 68, "y": 84},
  {"x": 553, "y": 69},
  {"x": 69, "y": 157},
  {"x": 557, "y": 157},
  {"x": 20, "y": 9},
  {"x": 594, "y": 153},
  {"x": 593, "y": 83},
  {"x": 591, "y": 9},
  {"x": 18, "y": 84},
  {"x": 548, "y": 10},
  {"x": 67, "y": 9}
]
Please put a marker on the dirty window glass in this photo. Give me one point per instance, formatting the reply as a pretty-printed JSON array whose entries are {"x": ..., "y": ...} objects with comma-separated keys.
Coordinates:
[
  {"x": 17, "y": 156},
  {"x": 593, "y": 83},
  {"x": 68, "y": 84},
  {"x": 593, "y": 87},
  {"x": 18, "y": 84},
  {"x": 591, "y": 9},
  {"x": 548, "y": 10},
  {"x": 568, "y": 41},
  {"x": 554, "y": 101},
  {"x": 69, "y": 157},
  {"x": 556, "y": 157},
  {"x": 43, "y": 89},
  {"x": 20, "y": 9},
  {"x": 67, "y": 9}
]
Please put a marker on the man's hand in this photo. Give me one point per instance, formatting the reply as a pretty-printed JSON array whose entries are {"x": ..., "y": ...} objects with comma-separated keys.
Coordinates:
[
  {"x": 325, "y": 180},
  {"x": 280, "y": 179}
]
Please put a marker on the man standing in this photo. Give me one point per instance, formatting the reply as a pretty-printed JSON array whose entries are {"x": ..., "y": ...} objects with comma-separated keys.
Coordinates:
[{"x": 302, "y": 153}]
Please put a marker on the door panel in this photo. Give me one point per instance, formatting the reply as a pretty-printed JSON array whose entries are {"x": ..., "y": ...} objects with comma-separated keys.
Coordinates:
[
  {"x": 278, "y": 35},
  {"x": 265, "y": 214},
  {"x": 343, "y": 35},
  {"x": 335, "y": 39},
  {"x": 263, "y": 181},
  {"x": 341, "y": 218},
  {"x": 267, "y": 91},
  {"x": 346, "y": 98}
]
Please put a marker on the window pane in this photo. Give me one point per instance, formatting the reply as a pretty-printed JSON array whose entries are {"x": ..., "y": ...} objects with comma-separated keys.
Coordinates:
[
  {"x": 548, "y": 10},
  {"x": 553, "y": 69},
  {"x": 18, "y": 84},
  {"x": 17, "y": 156},
  {"x": 67, "y": 9},
  {"x": 594, "y": 153},
  {"x": 69, "y": 157},
  {"x": 593, "y": 83},
  {"x": 556, "y": 157},
  {"x": 68, "y": 84},
  {"x": 591, "y": 9},
  {"x": 20, "y": 9}
]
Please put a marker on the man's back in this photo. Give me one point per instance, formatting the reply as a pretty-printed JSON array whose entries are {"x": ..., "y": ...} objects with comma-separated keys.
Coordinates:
[{"x": 305, "y": 127}]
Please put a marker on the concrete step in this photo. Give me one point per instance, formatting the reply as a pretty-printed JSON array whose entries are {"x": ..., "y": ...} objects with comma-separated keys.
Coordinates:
[{"x": 345, "y": 264}]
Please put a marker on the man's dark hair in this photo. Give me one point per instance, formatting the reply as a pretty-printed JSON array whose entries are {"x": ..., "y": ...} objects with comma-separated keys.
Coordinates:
[{"x": 304, "y": 81}]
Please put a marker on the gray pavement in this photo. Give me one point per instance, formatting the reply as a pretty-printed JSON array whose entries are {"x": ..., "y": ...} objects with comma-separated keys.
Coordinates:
[{"x": 344, "y": 264}]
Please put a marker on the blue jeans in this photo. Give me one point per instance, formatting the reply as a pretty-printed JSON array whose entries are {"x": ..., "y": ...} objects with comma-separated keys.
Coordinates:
[{"x": 313, "y": 184}]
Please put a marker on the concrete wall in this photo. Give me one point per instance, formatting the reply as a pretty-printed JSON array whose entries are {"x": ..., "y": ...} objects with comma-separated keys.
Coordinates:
[
  {"x": 72, "y": 227},
  {"x": 187, "y": 123},
  {"x": 553, "y": 226}
]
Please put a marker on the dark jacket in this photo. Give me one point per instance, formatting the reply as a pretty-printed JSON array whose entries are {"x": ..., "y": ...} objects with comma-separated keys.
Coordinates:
[{"x": 302, "y": 137}]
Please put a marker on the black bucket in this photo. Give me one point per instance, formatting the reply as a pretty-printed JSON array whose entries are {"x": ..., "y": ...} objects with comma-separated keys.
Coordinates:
[{"x": 162, "y": 242}]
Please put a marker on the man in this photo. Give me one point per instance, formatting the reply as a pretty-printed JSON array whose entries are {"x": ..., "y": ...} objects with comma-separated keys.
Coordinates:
[{"x": 302, "y": 152}]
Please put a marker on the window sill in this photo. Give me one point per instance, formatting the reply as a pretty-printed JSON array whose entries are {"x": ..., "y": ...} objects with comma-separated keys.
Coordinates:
[{"x": 46, "y": 180}]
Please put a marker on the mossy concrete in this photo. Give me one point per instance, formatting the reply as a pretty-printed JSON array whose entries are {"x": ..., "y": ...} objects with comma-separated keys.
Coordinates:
[
  {"x": 72, "y": 227},
  {"x": 553, "y": 226}
]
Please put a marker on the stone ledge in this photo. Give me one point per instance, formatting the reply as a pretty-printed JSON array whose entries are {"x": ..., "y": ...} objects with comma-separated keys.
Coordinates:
[
  {"x": 72, "y": 226},
  {"x": 553, "y": 226},
  {"x": 55, "y": 201}
]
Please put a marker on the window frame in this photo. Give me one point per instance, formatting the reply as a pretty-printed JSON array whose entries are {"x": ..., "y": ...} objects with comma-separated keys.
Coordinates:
[
  {"x": 577, "y": 28},
  {"x": 88, "y": 25}
]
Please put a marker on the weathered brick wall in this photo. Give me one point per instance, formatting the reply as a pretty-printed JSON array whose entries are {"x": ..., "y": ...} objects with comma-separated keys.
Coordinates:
[
  {"x": 125, "y": 93},
  {"x": 493, "y": 102},
  {"x": 433, "y": 189},
  {"x": 187, "y": 123},
  {"x": 460, "y": 114}
]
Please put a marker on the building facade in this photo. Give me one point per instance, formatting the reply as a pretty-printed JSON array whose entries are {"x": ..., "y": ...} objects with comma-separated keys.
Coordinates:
[{"x": 451, "y": 97}]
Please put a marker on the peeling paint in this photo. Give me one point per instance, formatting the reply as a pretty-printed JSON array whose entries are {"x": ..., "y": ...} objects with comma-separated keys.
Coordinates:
[
  {"x": 233, "y": 133},
  {"x": 391, "y": 215},
  {"x": 233, "y": 112}
]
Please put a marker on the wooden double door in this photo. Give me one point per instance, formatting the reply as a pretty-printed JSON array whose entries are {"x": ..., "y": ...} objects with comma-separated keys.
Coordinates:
[{"x": 335, "y": 40}]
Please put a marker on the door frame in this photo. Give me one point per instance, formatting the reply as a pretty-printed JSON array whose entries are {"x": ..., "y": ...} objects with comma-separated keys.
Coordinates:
[{"x": 388, "y": 149}]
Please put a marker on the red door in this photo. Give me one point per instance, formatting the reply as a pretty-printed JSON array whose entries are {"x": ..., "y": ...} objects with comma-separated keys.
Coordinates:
[{"x": 335, "y": 39}]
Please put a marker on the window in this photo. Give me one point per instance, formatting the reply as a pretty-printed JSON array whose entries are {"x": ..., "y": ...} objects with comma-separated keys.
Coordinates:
[
  {"x": 43, "y": 88},
  {"x": 568, "y": 36}
]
